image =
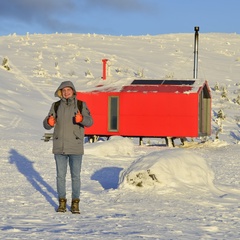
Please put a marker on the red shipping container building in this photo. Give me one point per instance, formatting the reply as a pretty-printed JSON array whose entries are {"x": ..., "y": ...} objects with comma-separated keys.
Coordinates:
[{"x": 151, "y": 108}]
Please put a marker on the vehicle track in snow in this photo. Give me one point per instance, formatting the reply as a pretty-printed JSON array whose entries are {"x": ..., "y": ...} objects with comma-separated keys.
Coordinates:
[{"x": 28, "y": 83}]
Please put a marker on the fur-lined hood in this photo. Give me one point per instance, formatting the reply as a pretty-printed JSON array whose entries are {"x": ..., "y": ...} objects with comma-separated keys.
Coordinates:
[{"x": 64, "y": 84}]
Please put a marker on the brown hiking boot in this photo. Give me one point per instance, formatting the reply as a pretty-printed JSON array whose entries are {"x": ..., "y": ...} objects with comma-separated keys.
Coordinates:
[
  {"x": 62, "y": 205},
  {"x": 75, "y": 206}
]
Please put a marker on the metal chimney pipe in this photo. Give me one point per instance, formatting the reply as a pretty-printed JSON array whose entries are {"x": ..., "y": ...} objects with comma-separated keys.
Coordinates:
[{"x": 195, "y": 69}]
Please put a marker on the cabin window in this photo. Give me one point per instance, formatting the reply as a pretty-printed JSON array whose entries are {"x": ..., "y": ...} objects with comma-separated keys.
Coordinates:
[{"x": 113, "y": 113}]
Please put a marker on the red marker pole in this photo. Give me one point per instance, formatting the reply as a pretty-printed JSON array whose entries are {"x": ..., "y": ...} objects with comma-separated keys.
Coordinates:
[{"x": 104, "y": 75}]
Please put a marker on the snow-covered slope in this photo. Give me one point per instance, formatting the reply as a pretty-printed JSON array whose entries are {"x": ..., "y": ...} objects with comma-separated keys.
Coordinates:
[{"x": 187, "y": 193}]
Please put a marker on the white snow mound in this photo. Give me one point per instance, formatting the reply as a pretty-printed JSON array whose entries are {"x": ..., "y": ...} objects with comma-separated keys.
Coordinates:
[
  {"x": 116, "y": 145},
  {"x": 168, "y": 168}
]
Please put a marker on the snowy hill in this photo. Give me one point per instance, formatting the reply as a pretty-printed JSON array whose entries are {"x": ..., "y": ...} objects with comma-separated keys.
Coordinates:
[{"x": 128, "y": 191}]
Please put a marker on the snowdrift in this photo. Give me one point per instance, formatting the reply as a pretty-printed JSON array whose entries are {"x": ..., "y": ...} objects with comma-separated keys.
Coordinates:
[
  {"x": 116, "y": 145},
  {"x": 172, "y": 168}
]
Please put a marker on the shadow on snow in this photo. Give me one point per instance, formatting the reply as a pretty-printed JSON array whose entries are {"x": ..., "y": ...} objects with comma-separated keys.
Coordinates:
[
  {"x": 108, "y": 177},
  {"x": 25, "y": 167}
]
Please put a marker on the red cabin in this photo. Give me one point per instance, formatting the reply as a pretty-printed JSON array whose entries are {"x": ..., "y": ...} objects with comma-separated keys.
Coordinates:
[{"x": 151, "y": 108}]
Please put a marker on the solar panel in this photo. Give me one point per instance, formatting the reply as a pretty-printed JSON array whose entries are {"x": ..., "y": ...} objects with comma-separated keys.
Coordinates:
[{"x": 163, "y": 82}]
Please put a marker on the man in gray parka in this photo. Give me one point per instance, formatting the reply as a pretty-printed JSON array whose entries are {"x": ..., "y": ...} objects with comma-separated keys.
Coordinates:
[{"x": 68, "y": 139}]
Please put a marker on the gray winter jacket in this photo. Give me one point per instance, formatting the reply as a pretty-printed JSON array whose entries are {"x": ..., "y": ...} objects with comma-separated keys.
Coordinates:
[{"x": 68, "y": 136}]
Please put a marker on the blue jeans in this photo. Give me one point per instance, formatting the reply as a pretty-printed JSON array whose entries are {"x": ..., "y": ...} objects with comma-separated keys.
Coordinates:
[{"x": 75, "y": 164}]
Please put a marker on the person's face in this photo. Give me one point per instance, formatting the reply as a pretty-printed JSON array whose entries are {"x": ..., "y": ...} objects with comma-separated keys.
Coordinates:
[{"x": 67, "y": 92}]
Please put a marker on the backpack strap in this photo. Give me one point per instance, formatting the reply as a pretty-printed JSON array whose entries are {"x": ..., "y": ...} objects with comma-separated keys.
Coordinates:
[
  {"x": 80, "y": 105},
  {"x": 56, "y": 105}
]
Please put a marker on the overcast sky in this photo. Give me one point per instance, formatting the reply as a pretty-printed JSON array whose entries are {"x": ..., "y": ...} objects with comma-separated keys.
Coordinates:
[{"x": 119, "y": 17}]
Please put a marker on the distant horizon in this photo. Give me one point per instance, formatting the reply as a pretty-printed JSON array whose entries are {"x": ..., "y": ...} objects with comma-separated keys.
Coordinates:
[{"x": 99, "y": 34}]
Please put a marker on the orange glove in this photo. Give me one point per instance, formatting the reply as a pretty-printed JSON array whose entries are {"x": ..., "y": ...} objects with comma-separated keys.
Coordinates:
[
  {"x": 51, "y": 121},
  {"x": 78, "y": 117}
]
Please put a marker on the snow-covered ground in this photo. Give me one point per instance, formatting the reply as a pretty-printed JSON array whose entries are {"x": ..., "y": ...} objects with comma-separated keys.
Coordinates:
[{"x": 128, "y": 191}]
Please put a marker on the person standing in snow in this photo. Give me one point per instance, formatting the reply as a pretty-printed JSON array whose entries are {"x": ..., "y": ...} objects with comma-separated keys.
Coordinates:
[{"x": 68, "y": 139}]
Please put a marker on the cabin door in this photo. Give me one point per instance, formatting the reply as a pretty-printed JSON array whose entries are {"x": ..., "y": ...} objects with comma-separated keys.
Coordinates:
[{"x": 204, "y": 116}]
